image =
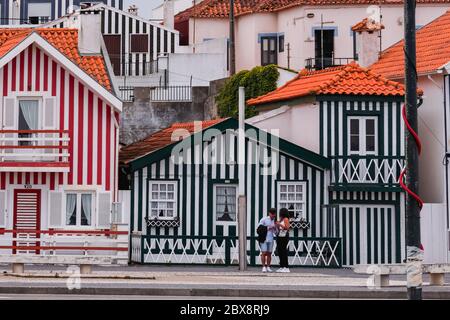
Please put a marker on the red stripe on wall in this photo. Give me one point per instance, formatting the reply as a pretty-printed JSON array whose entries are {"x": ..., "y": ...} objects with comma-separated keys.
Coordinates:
[
  {"x": 54, "y": 74},
  {"x": 62, "y": 95},
  {"x": 11, "y": 178},
  {"x": 44, "y": 178},
  {"x": 5, "y": 80},
  {"x": 90, "y": 136},
  {"x": 52, "y": 181},
  {"x": 45, "y": 72},
  {"x": 3, "y": 181},
  {"x": 19, "y": 178},
  {"x": 38, "y": 69},
  {"x": 30, "y": 69},
  {"x": 27, "y": 178},
  {"x": 22, "y": 71},
  {"x": 36, "y": 178},
  {"x": 114, "y": 155},
  {"x": 80, "y": 131},
  {"x": 71, "y": 125},
  {"x": 13, "y": 74},
  {"x": 108, "y": 149},
  {"x": 100, "y": 142}
]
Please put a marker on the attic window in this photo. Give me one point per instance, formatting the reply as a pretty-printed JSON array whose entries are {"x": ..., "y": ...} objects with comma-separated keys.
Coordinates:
[
  {"x": 139, "y": 43},
  {"x": 39, "y": 13}
]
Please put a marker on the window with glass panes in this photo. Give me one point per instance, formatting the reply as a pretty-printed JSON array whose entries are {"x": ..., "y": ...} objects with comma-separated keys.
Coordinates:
[
  {"x": 292, "y": 196},
  {"x": 362, "y": 135},
  {"x": 163, "y": 199},
  {"x": 226, "y": 203},
  {"x": 79, "y": 208}
]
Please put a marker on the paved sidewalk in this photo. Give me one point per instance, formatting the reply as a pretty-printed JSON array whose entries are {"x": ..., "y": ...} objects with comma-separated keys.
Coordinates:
[{"x": 208, "y": 281}]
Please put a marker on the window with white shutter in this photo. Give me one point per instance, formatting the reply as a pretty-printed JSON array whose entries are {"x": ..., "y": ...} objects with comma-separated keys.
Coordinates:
[
  {"x": 104, "y": 210},
  {"x": 55, "y": 209}
]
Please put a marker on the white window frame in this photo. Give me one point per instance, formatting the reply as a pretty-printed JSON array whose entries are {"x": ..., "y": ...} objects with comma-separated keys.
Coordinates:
[
  {"x": 78, "y": 225},
  {"x": 218, "y": 185},
  {"x": 151, "y": 199},
  {"x": 362, "y": 135},
  {"x": 280, "y": 202},
  {"x": 40, "y": 102}
]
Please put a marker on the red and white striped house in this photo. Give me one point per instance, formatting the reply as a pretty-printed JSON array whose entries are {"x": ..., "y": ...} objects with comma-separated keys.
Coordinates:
[{"x": 58, "y": 144}]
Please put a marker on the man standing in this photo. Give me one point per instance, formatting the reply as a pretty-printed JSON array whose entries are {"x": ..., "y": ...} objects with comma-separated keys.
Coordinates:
[{"x": 267, "y": 245}]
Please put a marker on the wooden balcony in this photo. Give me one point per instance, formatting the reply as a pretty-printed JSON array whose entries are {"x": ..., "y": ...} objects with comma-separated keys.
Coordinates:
[
  {"x": 373, "y": 172},
  {"x": 34, "y": 151}
]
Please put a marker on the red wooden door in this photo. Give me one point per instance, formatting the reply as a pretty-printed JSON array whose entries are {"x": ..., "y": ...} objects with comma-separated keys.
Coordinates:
[{"x": 27, "y": 218}]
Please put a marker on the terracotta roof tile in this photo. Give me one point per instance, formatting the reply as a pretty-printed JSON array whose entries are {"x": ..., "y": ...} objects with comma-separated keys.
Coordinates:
[
  {"x": 66, "y": 41},
  {"x": 433, "y": 50},
  {"x": 220, "y": 8},
  {"x": 344, "y": 80},
  {"x": 367, "y": 24},
  {"x": 160, "y": 139}
]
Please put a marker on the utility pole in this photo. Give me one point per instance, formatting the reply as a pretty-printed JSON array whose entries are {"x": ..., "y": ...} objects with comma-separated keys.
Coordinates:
[
  {"x": 232, "y": 41},
  {"x": 242, "y": 199},
  {"x": 413, "y": 243}
]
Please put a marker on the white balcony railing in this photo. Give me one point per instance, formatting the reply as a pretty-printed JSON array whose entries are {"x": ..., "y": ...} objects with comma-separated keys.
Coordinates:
[
  {"x": 35, "y": 149},
  {"x": 367, "y": 170}
]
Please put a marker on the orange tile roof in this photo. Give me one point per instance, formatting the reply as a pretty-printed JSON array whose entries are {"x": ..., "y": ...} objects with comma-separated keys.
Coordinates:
[
  {"x": 220, "y": 8},
  {"x": 159, "y": 140},
  {"x": 66, "y": 41},
  {"x": 367, "y": 24},
  {"x": 344, "y": 80},
  {"x": 433, "y": 50}
]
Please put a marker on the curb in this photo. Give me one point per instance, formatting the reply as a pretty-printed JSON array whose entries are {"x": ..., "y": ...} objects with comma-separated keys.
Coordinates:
[{"x": 256, "y": 293}]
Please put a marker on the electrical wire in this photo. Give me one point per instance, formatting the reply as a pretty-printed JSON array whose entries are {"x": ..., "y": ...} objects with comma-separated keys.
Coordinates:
[{"x": 403, "y": 173}]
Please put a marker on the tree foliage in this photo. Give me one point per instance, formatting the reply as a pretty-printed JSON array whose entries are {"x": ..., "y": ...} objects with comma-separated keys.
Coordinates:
[{"x": 258, "y": 81}]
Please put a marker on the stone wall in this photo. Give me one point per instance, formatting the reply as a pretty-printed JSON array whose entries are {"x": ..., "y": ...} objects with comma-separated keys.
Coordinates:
[{"x": 143, "y": 117}]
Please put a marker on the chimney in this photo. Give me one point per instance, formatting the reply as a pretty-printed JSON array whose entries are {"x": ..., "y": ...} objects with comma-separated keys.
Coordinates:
[
  {"x": 90, "y": 33},
  {"x": 367, "y": 34},
  {"x": 169, "y": 14},
  {"x": 133, "y": 10}
]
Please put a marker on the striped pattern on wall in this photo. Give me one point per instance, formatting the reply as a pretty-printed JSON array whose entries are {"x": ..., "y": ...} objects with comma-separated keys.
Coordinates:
[
  {"x": 334, "y": 141},
  {"x": 160, "y": 39},
  {"x": 370, "y": 223},
  {"x": 196, "y": 182},
  {"x": 89, "y": 119},
  {"x": 13, "y": 14}
]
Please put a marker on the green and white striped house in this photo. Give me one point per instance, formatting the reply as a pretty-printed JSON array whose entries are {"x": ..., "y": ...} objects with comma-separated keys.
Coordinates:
[
  {"x": 352, "y": 117},
  {"x": 186, "y": 213}
]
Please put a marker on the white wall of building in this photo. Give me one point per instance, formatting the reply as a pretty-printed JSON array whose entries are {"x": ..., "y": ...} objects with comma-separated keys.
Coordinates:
[
  {"x": 431, "y": 132},
  {"x": 207, "y": 29},
  {"x": 298, "y": 30},
  {"x": 298, "y": 124},
  {"x": 248, "y": 27},
  {"x": 179, "y": 5},
  {"x": 202, "y": 67}
]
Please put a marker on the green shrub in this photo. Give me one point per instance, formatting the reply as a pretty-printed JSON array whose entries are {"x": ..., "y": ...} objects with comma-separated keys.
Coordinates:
[{"x": 257, "y": 82}]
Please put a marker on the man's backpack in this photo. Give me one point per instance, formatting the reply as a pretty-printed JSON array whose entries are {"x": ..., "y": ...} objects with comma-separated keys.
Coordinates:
[{"x": 262, "y": 233}]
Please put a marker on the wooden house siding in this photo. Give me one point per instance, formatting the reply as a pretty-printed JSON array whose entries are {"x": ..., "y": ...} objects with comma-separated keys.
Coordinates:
[
  {"x": 196, "y": 182},
  {"x": 89, "y": 119},
  {"x": 368, "y": 216}
]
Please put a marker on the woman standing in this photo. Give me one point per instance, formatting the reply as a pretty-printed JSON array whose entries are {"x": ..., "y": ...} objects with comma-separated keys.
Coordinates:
[{"x": 283, "y": 239}]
